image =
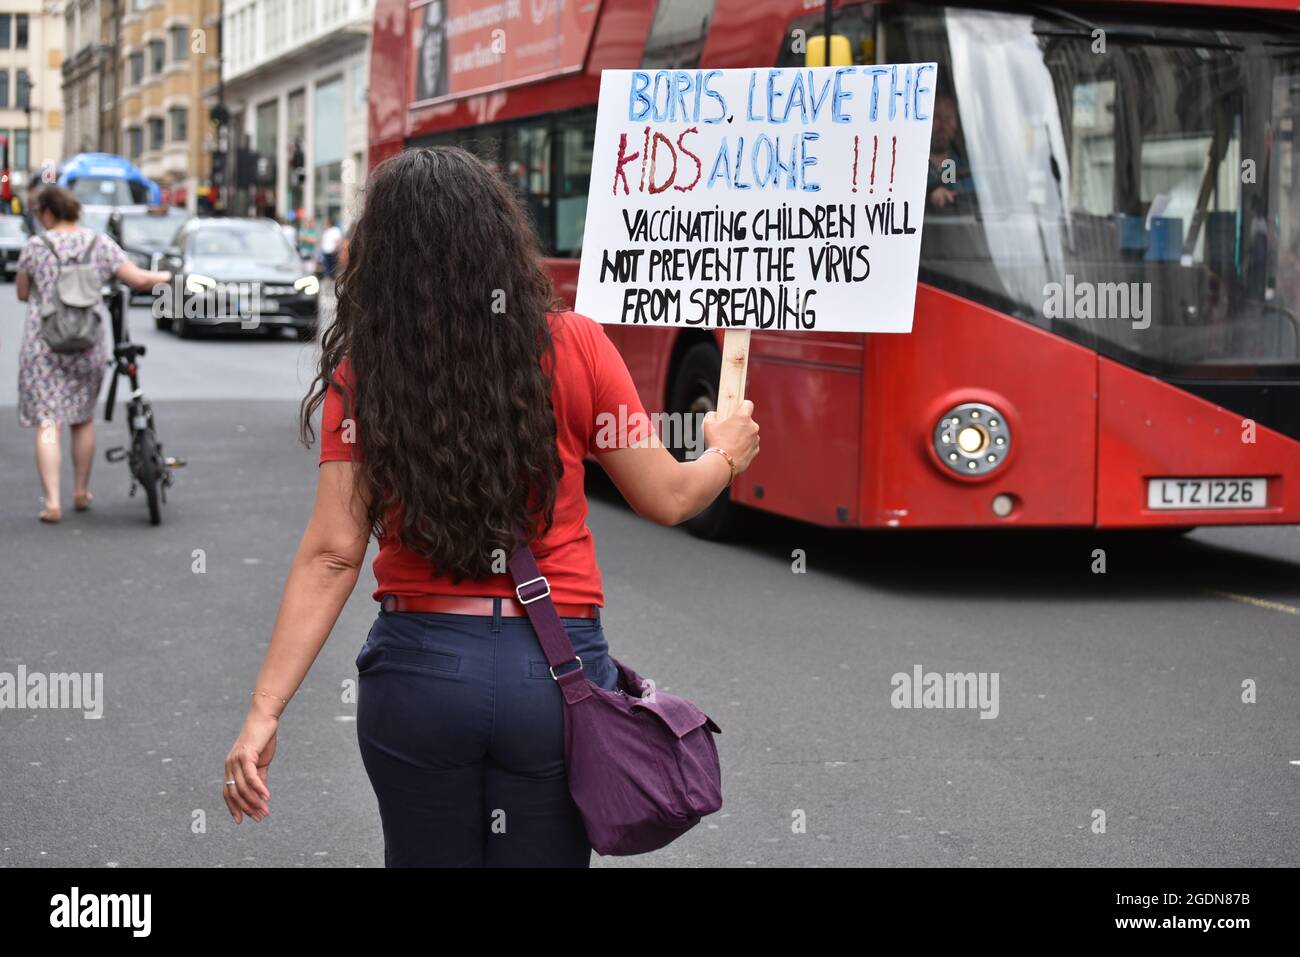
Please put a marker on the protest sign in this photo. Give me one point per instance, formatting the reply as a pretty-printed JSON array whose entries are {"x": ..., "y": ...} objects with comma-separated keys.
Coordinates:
[{"x": 758, "y": 199}]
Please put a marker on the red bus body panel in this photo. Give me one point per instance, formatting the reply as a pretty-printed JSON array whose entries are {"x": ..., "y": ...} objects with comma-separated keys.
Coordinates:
[
  {"x": 959, "y": 351},
  {"x": 1150, "y": 428},
  {"x": 848, "y": 419}
]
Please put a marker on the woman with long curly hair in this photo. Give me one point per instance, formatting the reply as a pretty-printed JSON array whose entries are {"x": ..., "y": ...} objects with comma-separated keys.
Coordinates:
[{"x": 457, "y": 407}]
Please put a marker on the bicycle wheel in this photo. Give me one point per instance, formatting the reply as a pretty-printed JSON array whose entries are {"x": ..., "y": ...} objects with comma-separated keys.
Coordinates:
[{"x": 149, "y": 472}]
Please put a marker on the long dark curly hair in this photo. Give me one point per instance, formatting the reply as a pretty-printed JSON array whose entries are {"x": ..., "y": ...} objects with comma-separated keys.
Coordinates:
[{"x": 442, "y": 315}]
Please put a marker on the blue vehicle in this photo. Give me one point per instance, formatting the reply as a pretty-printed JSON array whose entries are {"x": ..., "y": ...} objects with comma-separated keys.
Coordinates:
[{"x": 108, "y": 181}]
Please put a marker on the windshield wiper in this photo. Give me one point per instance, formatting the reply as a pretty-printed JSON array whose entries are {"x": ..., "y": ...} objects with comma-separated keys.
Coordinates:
[{"x": 1085, "y": 29}]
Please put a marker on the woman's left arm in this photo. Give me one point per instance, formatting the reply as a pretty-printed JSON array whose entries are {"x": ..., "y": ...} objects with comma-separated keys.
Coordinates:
[
  {"x": 23, "y": 280},
  {"x": 322, "y": 576}
]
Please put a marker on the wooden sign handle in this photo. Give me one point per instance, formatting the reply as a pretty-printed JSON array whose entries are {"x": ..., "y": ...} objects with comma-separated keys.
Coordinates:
[{"x": 735, "y": 366}]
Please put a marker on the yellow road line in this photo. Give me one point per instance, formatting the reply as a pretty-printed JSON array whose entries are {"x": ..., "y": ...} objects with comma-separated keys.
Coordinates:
[{"x": 1258, "y": 602}]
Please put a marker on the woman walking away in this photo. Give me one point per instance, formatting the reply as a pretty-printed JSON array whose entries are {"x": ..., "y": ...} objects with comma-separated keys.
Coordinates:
[
  {"x": 457, "y": 408},
  {"x": 57, "y": 387}
]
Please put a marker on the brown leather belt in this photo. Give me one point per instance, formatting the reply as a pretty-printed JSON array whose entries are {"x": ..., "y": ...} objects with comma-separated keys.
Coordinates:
[{"x": 473, "y": 605}]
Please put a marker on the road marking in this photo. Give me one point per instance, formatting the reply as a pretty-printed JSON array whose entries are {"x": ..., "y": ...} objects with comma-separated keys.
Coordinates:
[{"x": 1258, "y": 602}]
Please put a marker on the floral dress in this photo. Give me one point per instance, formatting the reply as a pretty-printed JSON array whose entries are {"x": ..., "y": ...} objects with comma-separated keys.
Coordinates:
[{"x": 62, "y": 386}]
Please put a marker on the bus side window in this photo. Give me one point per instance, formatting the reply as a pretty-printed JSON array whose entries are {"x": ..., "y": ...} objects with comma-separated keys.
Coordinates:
[{"x": 573, "y": 176}]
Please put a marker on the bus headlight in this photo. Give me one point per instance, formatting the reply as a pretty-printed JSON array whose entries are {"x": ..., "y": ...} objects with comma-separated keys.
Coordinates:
[{"x": 972, "y": 438}]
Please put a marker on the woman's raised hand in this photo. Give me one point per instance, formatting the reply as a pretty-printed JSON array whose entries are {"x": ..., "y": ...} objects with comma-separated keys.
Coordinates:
[{"x": 738, "y": 434}]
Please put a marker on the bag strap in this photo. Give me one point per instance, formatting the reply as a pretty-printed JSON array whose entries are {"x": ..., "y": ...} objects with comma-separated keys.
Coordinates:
[
  {"x": 90, "y": 248},
  {"x": 50, "y": 246},
  {"x": 534, "y": 591}
]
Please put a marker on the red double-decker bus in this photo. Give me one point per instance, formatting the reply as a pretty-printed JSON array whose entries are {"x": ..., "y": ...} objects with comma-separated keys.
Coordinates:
[{"x": 1106, "y": 330}]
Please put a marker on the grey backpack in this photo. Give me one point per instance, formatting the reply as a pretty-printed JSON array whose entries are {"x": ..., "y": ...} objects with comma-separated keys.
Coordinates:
[{"x": 70, "y": 320}]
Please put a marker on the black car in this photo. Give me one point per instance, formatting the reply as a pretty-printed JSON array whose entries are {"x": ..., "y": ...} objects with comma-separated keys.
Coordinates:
[
  {"x": 13, "y": 237},
  {"x": 142, "y": 235},
  {"x": 237, "y": 274},
  {"x": 146, "y": 236}
]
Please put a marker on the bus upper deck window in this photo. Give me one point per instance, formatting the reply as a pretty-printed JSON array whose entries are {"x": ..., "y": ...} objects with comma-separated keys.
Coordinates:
[{"x": 677, "y": 34}]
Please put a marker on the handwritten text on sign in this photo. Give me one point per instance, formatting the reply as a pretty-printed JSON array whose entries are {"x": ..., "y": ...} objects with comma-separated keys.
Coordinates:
[{"x": 783, "y": 199}]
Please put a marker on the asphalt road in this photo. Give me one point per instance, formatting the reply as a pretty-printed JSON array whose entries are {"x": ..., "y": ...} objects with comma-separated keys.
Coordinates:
[{"x": 1118, "y": 692}]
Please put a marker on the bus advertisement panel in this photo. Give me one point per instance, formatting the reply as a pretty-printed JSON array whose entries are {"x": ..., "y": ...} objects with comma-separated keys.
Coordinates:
[{"x": 466, "y": 46}]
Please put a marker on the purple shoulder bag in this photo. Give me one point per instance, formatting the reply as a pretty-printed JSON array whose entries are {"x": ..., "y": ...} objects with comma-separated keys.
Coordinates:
[{"x": 642, "y": 764}]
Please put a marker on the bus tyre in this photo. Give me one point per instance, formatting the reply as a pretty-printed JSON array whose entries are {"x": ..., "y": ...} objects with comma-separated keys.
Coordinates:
[{"x": 695, "y": 391}]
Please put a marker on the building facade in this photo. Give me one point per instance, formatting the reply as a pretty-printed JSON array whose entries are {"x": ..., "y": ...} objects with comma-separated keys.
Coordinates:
[
  {"x": 169, "y": 61},
  {"x": 89, "y": 76},
  {"x": 296, "y": 76},
  {"x": 138, "y": 80},
  {"x": 31, "y": 83}
]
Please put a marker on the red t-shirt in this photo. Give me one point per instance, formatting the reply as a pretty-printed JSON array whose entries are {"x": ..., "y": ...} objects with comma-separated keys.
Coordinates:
[{"x": 589, "y": 384}]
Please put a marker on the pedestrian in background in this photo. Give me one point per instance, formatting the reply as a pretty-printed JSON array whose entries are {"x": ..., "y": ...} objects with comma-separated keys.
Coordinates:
[
  {"x": 29, "y": 207},
  {"x": 55, "y": 388},
  {"x": 308, "y": 238},
  {"x": 330, "y": 241},
  {"x": 448, "y": 423},
  {"x": 290, "y": 233}
]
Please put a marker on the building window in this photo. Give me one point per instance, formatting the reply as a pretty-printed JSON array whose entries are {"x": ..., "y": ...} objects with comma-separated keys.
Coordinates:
[
  {"x": 359, "y": 86},
  {"x": 135, "y": 141},
  {"x": 156, "y": 133},
  {"x": 22, "y": 89},
  {"x": 180, "y": 118},
  {"x": 5, "y": 21},
  {"x": 136, "y": 63},
  {"x": 4, "y": 89},
  {"x": 20, "y": 150},
  {"x": 20, "y": 31},
  {"x": 328, "y": 137},
  {"x": 180, "y": 44},
  {"x": 267, "y": 130},
  {"x": 157, "y": 55}
]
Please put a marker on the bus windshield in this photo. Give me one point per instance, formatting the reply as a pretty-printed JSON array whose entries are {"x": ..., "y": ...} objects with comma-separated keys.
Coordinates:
[
  {"x": 103, "y": 191},
  {"x": 96, "y": 219},
  {"x": 1134, "y": 186}
]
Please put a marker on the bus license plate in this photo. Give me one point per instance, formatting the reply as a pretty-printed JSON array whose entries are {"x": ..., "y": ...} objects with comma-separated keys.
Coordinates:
[{"x": 1170, "y": 493}]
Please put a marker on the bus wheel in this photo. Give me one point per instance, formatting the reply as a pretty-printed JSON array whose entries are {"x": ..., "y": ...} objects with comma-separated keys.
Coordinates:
[{"x": 695, "y": 392}]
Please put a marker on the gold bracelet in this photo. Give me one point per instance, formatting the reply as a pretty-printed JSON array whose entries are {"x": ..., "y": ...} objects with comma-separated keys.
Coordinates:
[
  {"x": 731, "y": 463},
  {"x": 276, "y": 697}
]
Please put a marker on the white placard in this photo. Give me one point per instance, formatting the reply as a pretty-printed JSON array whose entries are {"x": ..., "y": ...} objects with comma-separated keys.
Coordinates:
[{"x": 764, "y": 199}]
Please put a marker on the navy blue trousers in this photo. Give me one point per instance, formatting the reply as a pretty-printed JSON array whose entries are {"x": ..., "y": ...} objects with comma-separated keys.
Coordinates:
[{"x": 461, "y": 732}]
